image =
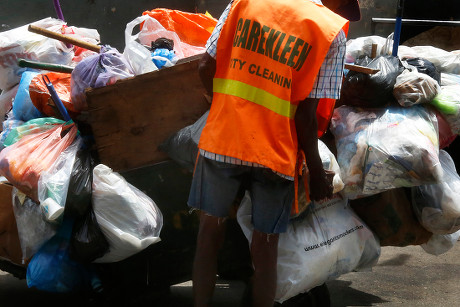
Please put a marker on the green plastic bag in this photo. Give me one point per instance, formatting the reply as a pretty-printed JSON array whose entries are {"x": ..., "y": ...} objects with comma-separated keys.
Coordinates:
[
  {"x": 448, "y": 100},
  {"x": 32, "y": 126}
]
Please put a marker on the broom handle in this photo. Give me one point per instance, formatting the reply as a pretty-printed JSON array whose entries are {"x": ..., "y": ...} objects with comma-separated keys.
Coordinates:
[{"x": 64, "y": 38}]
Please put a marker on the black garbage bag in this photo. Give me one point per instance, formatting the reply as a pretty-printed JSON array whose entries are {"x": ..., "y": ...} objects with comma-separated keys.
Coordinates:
[
  {"x": 88, "y": 242},
  {"x": 79, "y": 193},
  {"x": 371, "y": 91},
  {"x": 425, "y": 67}
]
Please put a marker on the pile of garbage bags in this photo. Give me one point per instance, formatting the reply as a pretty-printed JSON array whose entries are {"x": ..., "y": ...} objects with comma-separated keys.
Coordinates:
[
  {"x": 72, "y": 211},
  {"x": 394, "y": 183}
]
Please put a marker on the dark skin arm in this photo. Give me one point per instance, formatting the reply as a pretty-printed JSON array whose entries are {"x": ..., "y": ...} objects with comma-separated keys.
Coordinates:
[
  {"x": 306, "y": 126},
  {"x": 207, "y": 70}
]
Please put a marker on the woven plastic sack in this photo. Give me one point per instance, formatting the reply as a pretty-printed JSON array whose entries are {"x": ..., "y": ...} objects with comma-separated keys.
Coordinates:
[
  {"x": 328, "y": 242},
  {"x": 20, "y": 43}
]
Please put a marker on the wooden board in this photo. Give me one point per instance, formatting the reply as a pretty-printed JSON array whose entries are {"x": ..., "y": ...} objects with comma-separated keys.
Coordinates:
[{"x": 132, "y": 117}]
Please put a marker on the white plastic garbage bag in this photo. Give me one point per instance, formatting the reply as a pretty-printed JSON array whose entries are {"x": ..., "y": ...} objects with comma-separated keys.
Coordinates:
[
  {"x": 445, "y": 61},
  {"x": 437, "y": 206},
  {"x": 138, "y": 56},
  {"x": 21, "y": 43},
  {"x": 130, "y": 220},
  {"x": 330, "y": 241}
]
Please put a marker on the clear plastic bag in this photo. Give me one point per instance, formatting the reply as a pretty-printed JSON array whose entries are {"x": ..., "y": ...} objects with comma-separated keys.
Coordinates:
[
  {"x": 23, "y": 162},
  {"x": 413, "y": 87},
  {"x": 130, "y": 220},
  {"x": 95, "y": 71},
  {"x": 437, "y": 206},
  {"x": 33, "y": 230},
  {"x": 331, "y": 240},
  {"x": 53, "y": 183},
  {"x": 382, "y": 149}
]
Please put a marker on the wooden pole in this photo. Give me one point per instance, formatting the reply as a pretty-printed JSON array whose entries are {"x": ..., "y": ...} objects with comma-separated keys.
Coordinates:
[{"x": 64, "y": 38}]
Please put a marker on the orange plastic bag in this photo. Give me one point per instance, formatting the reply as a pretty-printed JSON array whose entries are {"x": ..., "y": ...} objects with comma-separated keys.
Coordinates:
[
  {"x": 192, "y": 28},
  {"x": 23, "y": 162},
  {"x": 41, "y": 97}
]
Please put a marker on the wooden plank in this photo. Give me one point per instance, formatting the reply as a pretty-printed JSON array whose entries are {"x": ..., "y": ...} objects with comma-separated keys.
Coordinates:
[
  {"x": 362, "y": 69},
  {"x": 132, "y": 117}
]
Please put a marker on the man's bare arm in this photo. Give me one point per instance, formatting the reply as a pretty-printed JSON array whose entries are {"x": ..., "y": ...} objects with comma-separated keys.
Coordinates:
[{"x": 307, "y": 127}]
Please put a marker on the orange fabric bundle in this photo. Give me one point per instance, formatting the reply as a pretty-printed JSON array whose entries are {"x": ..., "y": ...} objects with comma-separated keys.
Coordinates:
[
  {"x": 324, "y": 114},
  {"x": 192, "y": 28},
  {"x": 23, "y": 162},
  {"x": 41, "y": 97}
]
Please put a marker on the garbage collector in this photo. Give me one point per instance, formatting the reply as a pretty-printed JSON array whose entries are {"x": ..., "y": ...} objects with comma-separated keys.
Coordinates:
[{"x": 267, "y": 64}]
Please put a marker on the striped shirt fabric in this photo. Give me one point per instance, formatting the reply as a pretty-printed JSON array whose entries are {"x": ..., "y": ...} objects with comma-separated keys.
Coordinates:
[{"x": 328, "y": 82}]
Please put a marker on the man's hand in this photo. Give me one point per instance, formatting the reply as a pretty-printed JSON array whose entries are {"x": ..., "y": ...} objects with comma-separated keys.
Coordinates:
[{"x": 321, "y": 184}]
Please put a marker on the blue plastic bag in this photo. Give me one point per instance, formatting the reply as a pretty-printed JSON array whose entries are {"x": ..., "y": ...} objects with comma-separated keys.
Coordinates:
[
  {"x": 163, "y": 57},
  {"x": 23, "y": 108},
  {"x": 51, "y": 269}
]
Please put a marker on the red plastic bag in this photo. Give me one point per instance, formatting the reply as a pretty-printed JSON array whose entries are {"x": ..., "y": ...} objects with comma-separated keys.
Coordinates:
[
  {"x": 23, "y": 162},
  {"x": 192, "y": 28},
  {"x": 41, "y": 97}
]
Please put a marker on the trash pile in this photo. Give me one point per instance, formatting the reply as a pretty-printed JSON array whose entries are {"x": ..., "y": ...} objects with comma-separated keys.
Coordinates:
[
  {"x": 70, "y": 210},
  {"x": 394, "y": 184}
]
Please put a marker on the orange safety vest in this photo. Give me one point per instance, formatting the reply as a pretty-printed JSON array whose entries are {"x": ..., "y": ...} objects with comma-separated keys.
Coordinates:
[{"x": 268, "y": 55}]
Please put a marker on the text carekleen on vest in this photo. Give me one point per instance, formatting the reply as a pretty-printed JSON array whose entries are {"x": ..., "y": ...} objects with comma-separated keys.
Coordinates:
[{"x": 268, "y": 55}]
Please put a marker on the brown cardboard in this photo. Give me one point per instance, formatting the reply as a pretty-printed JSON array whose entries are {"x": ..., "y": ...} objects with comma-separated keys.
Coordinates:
[{"x": 10, "y": 247}]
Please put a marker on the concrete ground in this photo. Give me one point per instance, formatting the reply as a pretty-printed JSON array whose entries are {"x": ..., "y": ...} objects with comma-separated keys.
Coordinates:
[{"x": 405, "y": 276}]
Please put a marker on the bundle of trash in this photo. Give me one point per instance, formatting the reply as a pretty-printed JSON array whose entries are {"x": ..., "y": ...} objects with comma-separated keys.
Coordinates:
[
  {"x": 394, "y": 184},
  {"x": 72, "y": 211}
]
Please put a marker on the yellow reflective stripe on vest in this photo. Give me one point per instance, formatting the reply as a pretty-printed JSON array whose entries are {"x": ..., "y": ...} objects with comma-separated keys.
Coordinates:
[{"x": 255, "y": 95}]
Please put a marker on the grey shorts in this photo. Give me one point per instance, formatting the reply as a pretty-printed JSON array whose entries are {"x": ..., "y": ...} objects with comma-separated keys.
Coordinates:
[{"x": 217, "y": 185}]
